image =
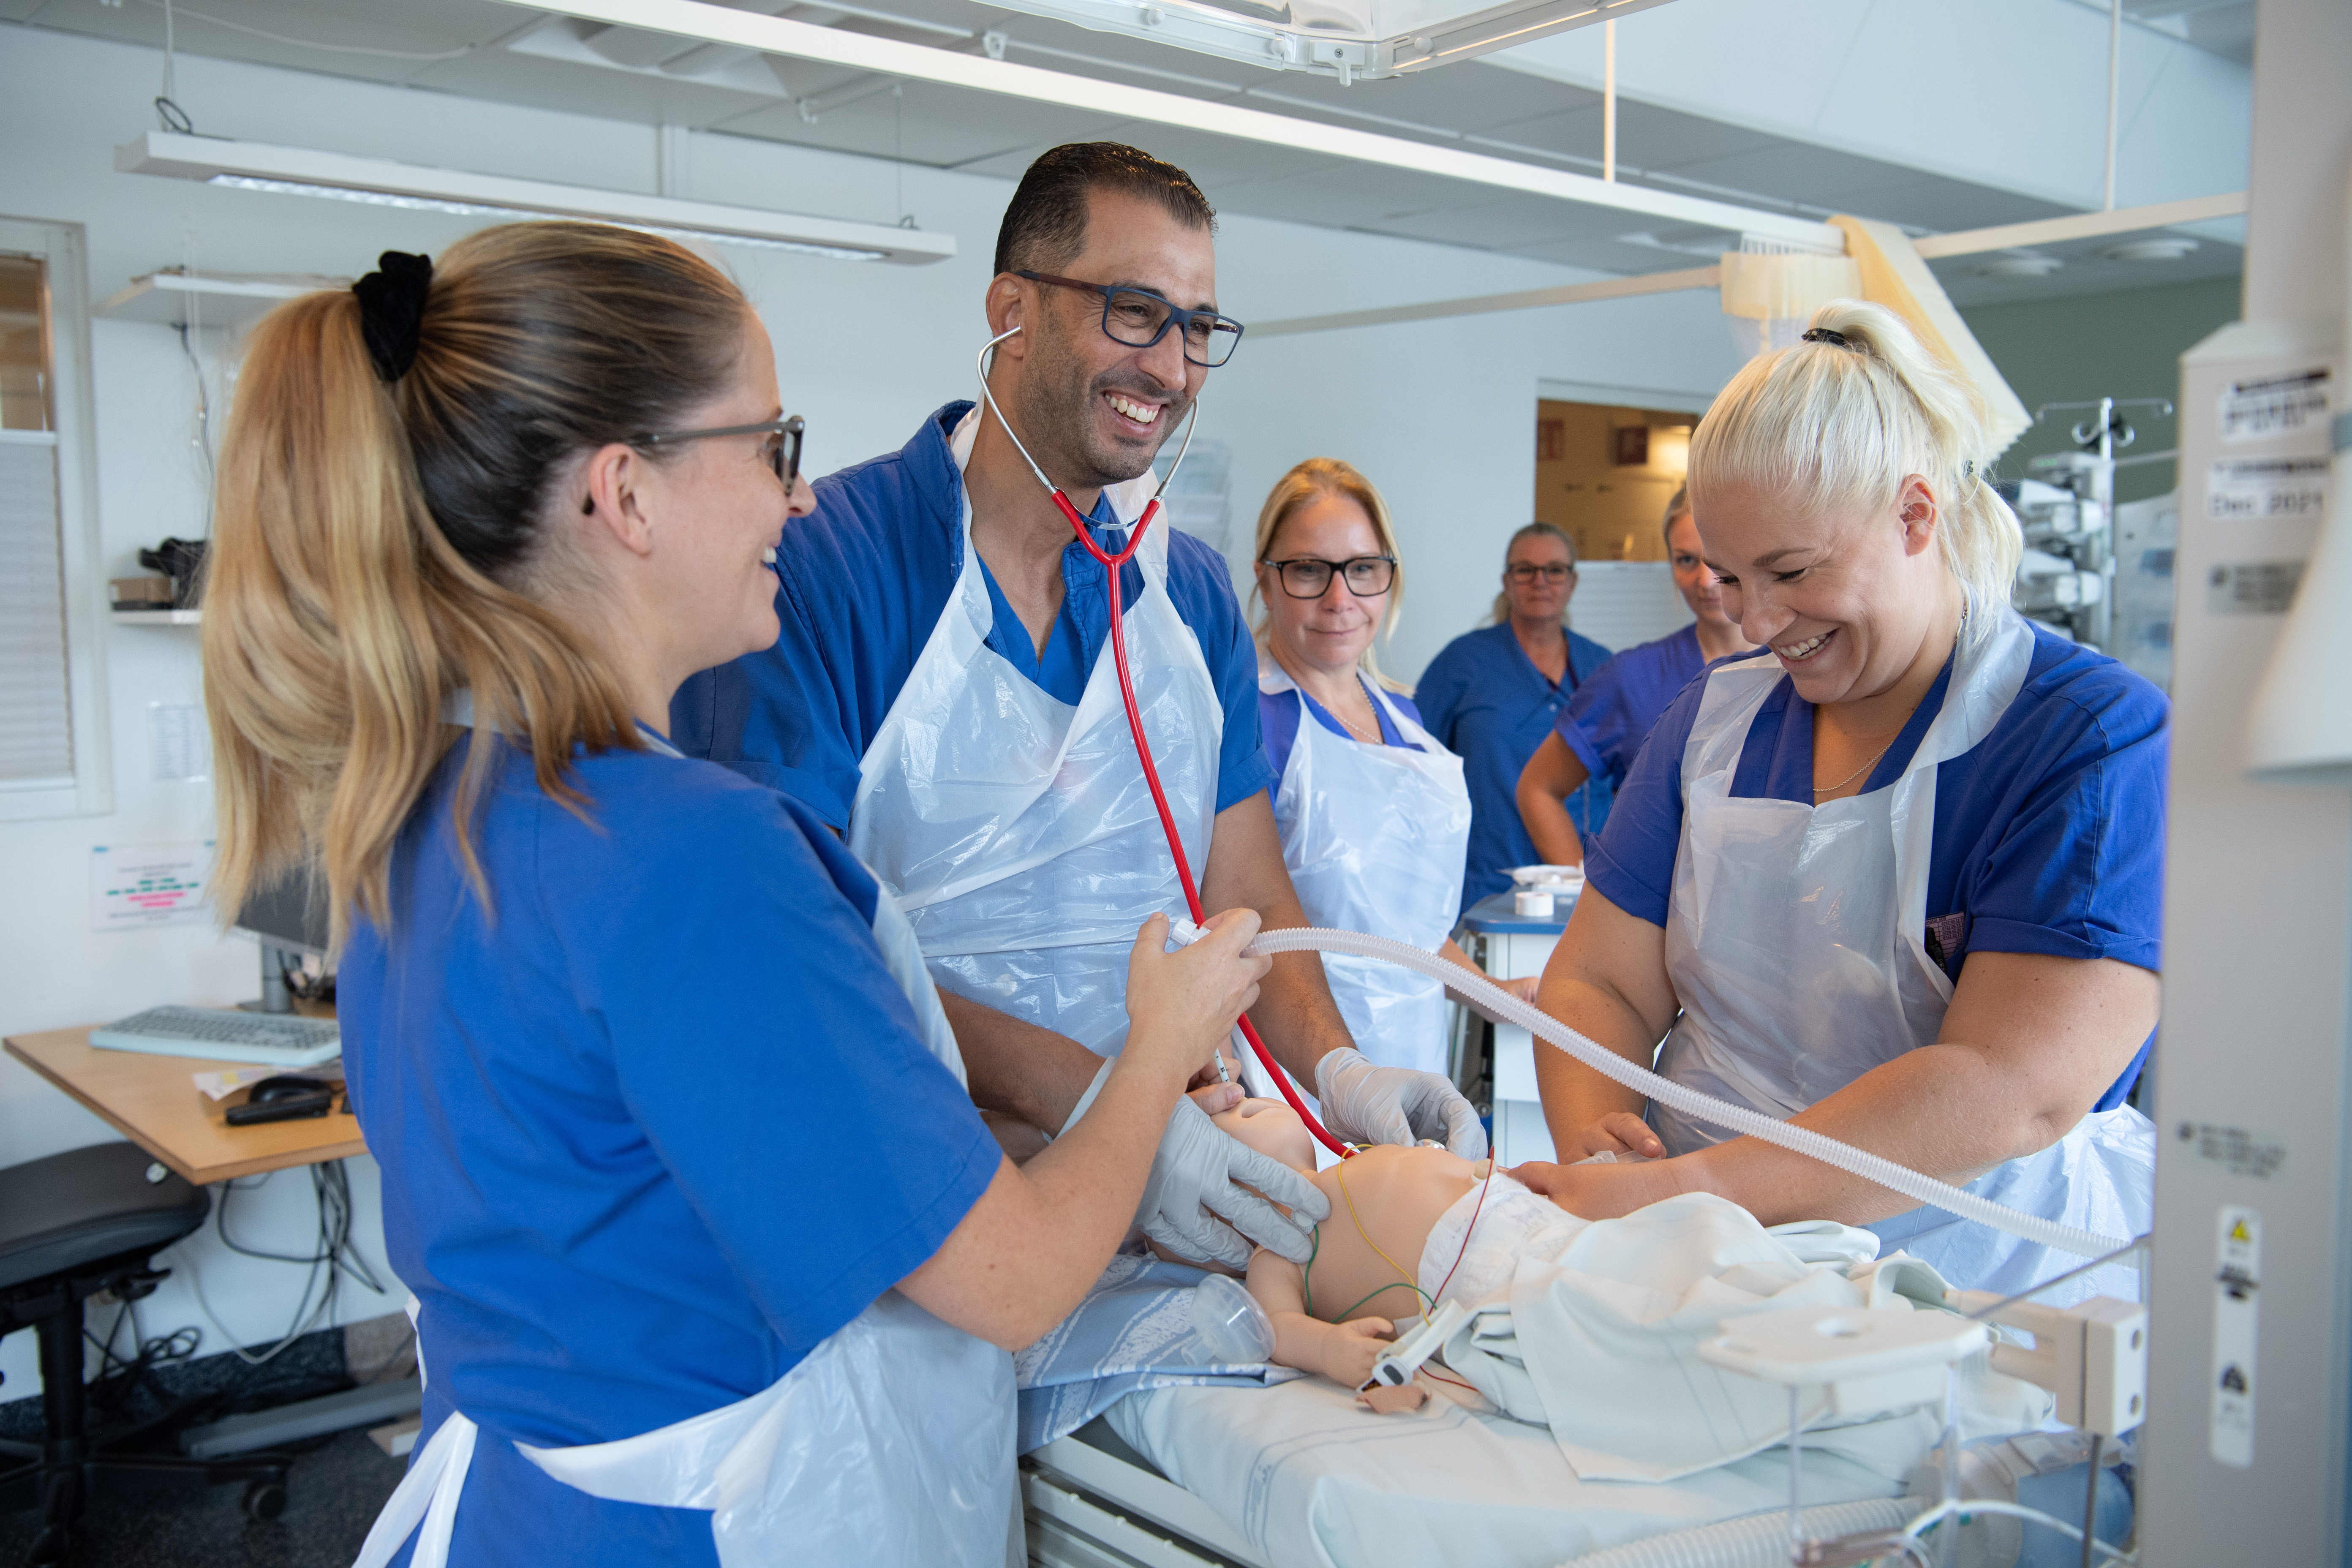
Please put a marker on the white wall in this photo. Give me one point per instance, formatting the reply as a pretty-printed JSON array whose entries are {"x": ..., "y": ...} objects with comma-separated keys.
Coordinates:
[{"x": 1440, "y": 415}]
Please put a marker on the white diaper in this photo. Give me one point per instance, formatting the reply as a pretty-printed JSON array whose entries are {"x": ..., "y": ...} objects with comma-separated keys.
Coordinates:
[{"x": 1508, "y": 1215}]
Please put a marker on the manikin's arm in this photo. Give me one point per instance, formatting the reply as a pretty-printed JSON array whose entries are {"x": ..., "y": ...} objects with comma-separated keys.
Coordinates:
[
  {"x": 1295, "y": 1013},
  {"x": 1344, "y": 1352},
  {"x": 1551, "y": 775}
]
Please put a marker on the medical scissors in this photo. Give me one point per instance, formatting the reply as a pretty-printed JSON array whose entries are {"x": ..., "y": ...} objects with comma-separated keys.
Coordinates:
[{"x": 1111, "y": 564}]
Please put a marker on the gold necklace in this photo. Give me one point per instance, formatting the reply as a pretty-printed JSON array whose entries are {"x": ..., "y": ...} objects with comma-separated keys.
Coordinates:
[{"x": 1825, "y": 789}]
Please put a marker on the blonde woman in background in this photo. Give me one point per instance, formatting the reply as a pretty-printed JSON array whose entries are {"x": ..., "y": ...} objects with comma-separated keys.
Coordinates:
[
  {"x": 1896, "y": 877},
  {"x": 1373, "y": 813}
]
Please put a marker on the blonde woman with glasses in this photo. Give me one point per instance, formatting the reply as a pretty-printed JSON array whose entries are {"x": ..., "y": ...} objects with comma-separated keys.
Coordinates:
[{"x": 1373, "y": 812}]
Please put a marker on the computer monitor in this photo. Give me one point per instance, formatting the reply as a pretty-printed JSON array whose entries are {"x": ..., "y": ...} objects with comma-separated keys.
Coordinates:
[{"x": 288, "y": 919}]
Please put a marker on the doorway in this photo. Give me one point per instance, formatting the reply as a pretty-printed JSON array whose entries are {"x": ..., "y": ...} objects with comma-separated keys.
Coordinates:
[{"x": 1604, "y": 474}]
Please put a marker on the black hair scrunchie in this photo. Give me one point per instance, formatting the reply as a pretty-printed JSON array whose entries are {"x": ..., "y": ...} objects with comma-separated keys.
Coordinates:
[
  {"x": 392, "y": 309},
  {"x": 1813, "y": 335}
]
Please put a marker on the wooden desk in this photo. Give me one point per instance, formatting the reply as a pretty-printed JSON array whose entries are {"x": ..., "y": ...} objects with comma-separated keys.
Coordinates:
[{"x": 152, "y": 1101}]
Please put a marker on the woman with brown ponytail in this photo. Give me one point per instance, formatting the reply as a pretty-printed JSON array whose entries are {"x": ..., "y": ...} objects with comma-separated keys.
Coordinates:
[{"x": 604, "y": 1008}]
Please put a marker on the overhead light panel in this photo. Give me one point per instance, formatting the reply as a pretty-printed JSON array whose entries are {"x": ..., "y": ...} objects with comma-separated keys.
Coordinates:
[
  {"x": 1349, "y": 39},
  {"x": 380, "y": 182},
  {"x": 1118, "y": 101}
]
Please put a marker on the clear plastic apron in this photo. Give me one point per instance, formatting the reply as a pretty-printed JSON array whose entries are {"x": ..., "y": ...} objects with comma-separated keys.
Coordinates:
[
  {"x": 1018, "y": 831},
  {"x": 1796, "y": 942},
  {"x": 892, "y": 1441},
  {"x": 1374, "y": 838}
]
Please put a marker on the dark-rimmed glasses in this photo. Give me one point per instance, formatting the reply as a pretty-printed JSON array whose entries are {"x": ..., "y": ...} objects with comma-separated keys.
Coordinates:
[
  {"x": 1526, "y": 572},
  {"x": 783, "y": 452},
  {"x": 1307, "y": 577},
  {"x": 1140, "y": 319}
]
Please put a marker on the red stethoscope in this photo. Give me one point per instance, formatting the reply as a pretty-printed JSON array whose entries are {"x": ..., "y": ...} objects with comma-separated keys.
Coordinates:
[{"x": 1111, "y": 564}]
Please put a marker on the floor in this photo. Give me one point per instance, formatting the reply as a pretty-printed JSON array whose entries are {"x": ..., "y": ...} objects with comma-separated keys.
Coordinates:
[
  {"x": 334, "y": 1491},
  {"x": 333, "y": 1496}
]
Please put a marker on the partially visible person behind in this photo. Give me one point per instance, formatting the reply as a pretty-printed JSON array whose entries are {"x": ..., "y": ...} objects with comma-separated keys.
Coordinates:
[
  {"x": 1602, "y": 727},
  {"x": 1491, "y": 696}
]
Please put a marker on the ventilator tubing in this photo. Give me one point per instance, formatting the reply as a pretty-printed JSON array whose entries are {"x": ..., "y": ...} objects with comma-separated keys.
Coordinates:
[{"x": 1689, "y": 1101}]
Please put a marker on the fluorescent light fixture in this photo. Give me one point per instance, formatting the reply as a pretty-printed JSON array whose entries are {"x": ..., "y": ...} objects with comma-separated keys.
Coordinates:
[
  {"x": 1118, "y": 101},
  {"x": 295, "y": 171},
  {"x": 1350, "y": 39}
]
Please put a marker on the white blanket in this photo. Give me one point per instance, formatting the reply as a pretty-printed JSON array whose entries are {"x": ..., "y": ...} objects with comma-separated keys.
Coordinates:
[{"x": 1597, "y": 1333}]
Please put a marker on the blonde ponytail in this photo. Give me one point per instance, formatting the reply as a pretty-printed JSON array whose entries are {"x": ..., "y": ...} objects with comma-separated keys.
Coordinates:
[
  {"x": 371, "y": 538},
  {"x": 1844, "y": 420}
]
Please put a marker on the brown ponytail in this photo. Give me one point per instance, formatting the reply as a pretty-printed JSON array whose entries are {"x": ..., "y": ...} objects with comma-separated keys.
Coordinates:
[{"x": 375, "y": 542}]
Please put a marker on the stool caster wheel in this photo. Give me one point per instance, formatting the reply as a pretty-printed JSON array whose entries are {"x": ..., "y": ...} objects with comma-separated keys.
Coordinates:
[{"x": 264, "y": 1499}]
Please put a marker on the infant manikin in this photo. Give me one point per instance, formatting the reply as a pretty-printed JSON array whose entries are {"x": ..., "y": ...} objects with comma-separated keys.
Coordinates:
[{"x": 1394, "y": 1245}]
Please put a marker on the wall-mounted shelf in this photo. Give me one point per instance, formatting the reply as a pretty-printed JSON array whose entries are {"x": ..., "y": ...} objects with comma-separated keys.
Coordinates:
[
  {"x": 173, "y": 297},
  {"x": 156, "y": 617}
]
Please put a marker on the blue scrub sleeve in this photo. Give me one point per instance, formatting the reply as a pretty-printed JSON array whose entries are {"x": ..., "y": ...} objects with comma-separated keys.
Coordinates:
[
  {"x": 2078, "y": 871},
  {"x": 769, "y": 1058},
  {"x": 1440, "y": 692},
  {"x": 1632, "y": 862},
  {"x": 1595, "y": 724},
  {"x": 1201, "y": 586}
]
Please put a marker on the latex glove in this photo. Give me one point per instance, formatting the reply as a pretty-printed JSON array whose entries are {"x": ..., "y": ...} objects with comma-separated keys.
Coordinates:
[
  {"x": 1367, "y": 1104},
  {"x": 1192, "y": 1206}
]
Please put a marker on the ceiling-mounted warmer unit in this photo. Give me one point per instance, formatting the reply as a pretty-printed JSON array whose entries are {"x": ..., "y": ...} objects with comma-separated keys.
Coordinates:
[{"x": 1350, "y": 39}]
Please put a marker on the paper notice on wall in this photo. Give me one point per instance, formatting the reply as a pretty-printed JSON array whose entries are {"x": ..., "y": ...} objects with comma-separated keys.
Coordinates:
[
  {"x": 2292, "y": 407},
  {"x": 137, "y": 885},
  {"x": 178, "y": 744},
  {"x": 2262, "y": 490}
]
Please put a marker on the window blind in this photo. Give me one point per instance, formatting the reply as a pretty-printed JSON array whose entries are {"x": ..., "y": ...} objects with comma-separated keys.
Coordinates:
[{"x": 35, "y": 705}]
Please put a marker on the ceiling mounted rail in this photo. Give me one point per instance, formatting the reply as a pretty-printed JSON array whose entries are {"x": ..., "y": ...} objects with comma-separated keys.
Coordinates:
[{"x": 977, "y": 73}]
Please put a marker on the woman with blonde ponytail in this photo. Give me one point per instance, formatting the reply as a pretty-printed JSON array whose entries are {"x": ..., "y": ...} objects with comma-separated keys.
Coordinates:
[
  {"x": 1897, "y": 875},
  {"x": 604, "y": 1008}
]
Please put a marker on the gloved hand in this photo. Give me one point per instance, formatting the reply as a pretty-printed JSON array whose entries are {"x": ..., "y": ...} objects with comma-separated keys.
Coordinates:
[
  {"x": 1367, "y": 1104},
  {"x": 1191, "y": 1204}
]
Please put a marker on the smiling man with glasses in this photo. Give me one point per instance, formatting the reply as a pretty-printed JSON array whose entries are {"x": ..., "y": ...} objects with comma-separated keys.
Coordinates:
[{"x": 943, "y": 694}]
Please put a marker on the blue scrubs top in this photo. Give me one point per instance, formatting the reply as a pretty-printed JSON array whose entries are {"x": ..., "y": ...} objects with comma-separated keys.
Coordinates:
[
  {"x": 627, "y": 1184},
  {"x": 1610, "y": 714},
  {"x": 862, "y": 581},
  {"x": 2049, "y": 832},
  {"x": 1485, "y": 701},
  {"x": 1278, "y": 716}
]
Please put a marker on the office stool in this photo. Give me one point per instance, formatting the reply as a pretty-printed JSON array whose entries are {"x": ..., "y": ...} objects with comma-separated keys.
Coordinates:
[{"x": 71, "y": 1226}]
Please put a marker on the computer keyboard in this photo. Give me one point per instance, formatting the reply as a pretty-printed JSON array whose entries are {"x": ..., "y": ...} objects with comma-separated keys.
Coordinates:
[{"x": 226, "y": 1034}]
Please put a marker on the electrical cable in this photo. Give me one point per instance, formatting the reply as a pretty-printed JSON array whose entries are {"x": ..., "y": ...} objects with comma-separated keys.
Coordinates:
[
  {"x": 165, "y": 6},
  {"x": 1918, "y": 1528},
  {"x": 334, "y": 1253}
]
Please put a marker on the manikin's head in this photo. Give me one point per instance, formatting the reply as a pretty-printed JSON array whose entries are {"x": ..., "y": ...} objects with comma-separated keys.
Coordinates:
[
  {"x": 1097, "y": 213},
  {"x": 1271, "y": 1127}
]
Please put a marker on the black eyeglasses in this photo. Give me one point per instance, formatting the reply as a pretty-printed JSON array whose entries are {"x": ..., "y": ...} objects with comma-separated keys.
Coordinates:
[
  {"x": 1526, "y": 572},
  {"x": 1138, "y": 317},
  {"x": 1306, "y": 577},
  {"x": 782, "y": 449}
]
